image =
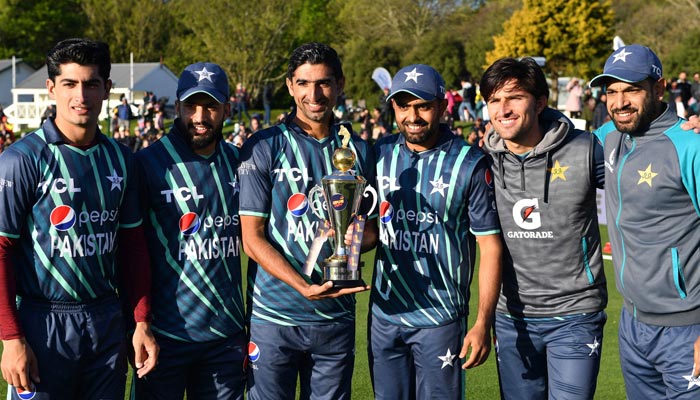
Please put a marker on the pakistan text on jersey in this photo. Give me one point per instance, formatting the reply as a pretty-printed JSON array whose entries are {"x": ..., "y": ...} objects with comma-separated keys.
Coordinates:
[
  {"x": 83, "y": 245},
  {"x": 531, "y": 235},
  {"x": 208, "y": 249},
  {"x": 411, "y": 241},
  {"x": 302, "y": 232}
]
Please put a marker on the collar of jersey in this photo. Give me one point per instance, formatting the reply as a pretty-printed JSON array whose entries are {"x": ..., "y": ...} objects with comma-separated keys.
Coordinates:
[{"x": 53, "y": 137}]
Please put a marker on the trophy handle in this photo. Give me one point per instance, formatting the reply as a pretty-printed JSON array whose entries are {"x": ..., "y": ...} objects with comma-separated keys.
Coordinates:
[
  {"x": 371, "y": 190},
  {"x": 315, "y": 201}
]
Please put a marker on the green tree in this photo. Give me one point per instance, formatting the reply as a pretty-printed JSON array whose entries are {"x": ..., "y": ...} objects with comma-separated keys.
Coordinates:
[
  {"x": 138, "y": 27},
  {"x": 389, "y": 34},
  {"x": 251, "y": 40},
  {"x": 574, "y": 36},
  {"x": 30, "y": 28}
]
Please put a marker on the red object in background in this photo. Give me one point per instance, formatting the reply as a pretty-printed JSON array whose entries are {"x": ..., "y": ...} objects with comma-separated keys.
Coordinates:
[{"x": 606, "y": 248}]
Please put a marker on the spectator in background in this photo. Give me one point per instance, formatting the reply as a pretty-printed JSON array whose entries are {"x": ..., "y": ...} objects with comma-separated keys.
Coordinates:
[
  {"x": 241, "y": 102},
  {"x": 386, "y": 112},
  {"x": 268, "y": 91},
  {"x": 686, "y": 89},
  {"x": 447, "y": 116},
  {"x": 255, "y": 124},
  {"x": 159, "y": 120},
  {"x": 6, "y": 128},
  {"x": 467, "y": 109},
  {"x": 124, "y": 114},
  {"x": 694, "y": 101},
  {"x": 573, "y": 101},
  {"x": 600, "y": 113}
]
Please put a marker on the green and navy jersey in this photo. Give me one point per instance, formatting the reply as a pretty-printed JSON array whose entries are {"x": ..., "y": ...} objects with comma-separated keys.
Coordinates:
[
  {"x": 279, "y": 166},
  {"x": 652, "y": 199},
  {"x": 432, "y": 203},
  {"x": 65, "y": 205},
  {"x": 193, "y": 233}
]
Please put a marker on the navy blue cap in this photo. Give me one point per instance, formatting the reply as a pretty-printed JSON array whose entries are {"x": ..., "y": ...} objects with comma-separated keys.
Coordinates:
[
  {"x": 631, "y": 64},
  {"x": 420, "y": 80},
  {"x": 203, "y": 77}
]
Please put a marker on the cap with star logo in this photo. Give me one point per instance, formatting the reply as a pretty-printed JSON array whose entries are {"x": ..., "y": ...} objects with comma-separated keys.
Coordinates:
[
  {"x": 203, "y": 77},
  {"x": 420, "y": 80},
  {"x": 631, "y": 64}
]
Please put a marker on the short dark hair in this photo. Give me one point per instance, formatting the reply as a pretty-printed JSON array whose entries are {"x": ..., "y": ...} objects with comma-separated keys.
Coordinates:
[
  {"x": 315, "y": 53},
  {"x": 79, "y": 51},
  {"x": 524, "y": 71}
]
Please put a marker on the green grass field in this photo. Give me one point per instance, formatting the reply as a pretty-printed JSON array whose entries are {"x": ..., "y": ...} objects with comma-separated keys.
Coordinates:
[{"x": 482, "y": 382}]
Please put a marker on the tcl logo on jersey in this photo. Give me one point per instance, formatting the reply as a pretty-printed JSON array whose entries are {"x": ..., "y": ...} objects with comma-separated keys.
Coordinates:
[
  {"x": 298, "y": 204},
  {"x": 291, "y": 174},
  {"x": 526, "y": 214},
  {"x": 387, "y": 183},
  {"x": 190, "y": 224},
  {"x": 59, "y": 186},
  {"x": 63, "y": 218},
  {"x": 181, "y": 194}
]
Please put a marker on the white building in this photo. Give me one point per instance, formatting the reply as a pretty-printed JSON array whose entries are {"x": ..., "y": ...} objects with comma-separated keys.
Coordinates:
[
  {"x": 10, "y": 76},
  {"x": 30, "y": 97}
]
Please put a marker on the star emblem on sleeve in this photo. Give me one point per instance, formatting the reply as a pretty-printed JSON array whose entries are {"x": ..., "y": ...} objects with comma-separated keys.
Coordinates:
[
  {"x": 116, "y": 180},
  {"x": 692, "y": 380},
  {"x": 439, "y": 186},
  {"x": 646, "y": 176},
  {"x": 622, "y": 55},
  {"x": 447, "y": 359},
  {"x": 204, "y": 74},
  {"x": 595, "y": 347},
  {"x": 234, "y": 185},
  {"x": 557, "y": 172},
  {"x": 412, "y": 75}
]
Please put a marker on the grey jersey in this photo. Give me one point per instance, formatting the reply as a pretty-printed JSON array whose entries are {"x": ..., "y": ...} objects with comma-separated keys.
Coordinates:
[{"x": 547, "y": 206}]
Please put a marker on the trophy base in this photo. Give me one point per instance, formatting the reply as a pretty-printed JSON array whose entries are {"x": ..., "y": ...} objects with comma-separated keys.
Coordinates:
[{"x": 338, "y": 273}]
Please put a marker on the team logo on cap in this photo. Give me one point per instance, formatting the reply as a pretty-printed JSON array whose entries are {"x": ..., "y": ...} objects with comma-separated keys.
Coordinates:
[
  {"x": 386, "y": 211},
  {"x": 63, "y": 218},
  {"x": 25, "y": 394},
  {"x": 190, "y": 223},
  {"x": 338, "y": 202},
  {"x": 253, "y": 352},
  {"x": 298, "y": 204}
]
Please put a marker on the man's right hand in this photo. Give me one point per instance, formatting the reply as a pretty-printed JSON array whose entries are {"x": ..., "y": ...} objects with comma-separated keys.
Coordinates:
[
  {"x": 19, "y": 365},
  {"x": 327, "y": 291}
]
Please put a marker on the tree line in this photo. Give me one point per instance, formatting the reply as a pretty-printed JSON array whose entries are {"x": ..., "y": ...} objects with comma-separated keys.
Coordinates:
[{"x": 251, "y": 40}]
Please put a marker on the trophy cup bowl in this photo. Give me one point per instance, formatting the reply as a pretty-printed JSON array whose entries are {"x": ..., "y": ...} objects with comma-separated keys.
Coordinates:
[{"x": 342, "y": 192}]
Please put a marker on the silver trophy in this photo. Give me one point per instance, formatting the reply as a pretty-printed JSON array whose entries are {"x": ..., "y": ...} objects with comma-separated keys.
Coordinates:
[{"x": 343, "y": 192}]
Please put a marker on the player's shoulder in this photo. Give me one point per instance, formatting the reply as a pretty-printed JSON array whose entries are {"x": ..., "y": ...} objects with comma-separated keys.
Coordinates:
[{"x": 29, "y": 147}]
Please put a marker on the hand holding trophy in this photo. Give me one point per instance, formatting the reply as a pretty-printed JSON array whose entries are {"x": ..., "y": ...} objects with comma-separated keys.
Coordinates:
[{"x": 343, "y": 192}]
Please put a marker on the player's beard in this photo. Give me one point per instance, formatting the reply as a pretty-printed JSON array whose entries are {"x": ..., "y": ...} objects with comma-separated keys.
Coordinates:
[
  {"x": 642, "y": 119},
  {"x": 421, "y": 136},
  {"x": 198, "y": 142}
]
